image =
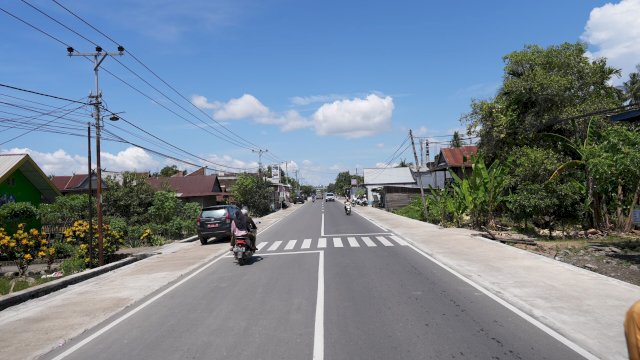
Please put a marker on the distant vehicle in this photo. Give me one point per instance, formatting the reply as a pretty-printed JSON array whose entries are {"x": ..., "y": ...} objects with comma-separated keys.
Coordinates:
[
  {"x": 318, "y": 194},
  {"x": 299, "y": 199},
  {"x": 215, "y": 221},
  {"x": 330, "y": 197}
]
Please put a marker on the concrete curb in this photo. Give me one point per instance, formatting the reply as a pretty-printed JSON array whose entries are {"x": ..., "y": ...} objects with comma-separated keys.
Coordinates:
[{"x": 55, "y": 285}]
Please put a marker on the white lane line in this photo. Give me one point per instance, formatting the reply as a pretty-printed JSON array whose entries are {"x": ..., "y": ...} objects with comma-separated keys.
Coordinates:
[
  {"x": 290, "y": 244},
  {"x": 337, "y": 242},
  {"x": 318, "y": 333},
  {"x": 384, "y": 241},
  {"x": 147, "y": 303},
  {"x": 399, "y": 240},
  {"x": 262, "y": 244},
  {"x": 274, "y": 246},
  {"x": 322, "y": 225},
  {"x": 368, "y": 234},
  {"x": 322, "y": 243},
  {"x": 368, "y": 241},
  {"x": 306, "y": 244},
  {"x": 573, "y": 346},
  {"x": 353, "y": 242}
]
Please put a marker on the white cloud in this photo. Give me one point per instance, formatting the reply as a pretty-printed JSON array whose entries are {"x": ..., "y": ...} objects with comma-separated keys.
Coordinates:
[
  {"x": 354, "y": 118},
  {"x": 348, "y": 118},
  {"x": 380, "y": 145},
  {"x": 60, "y": 162},
  {"x": 130, "y": 159},
  {"x": 307, "y": 163},
  {"x": 421, "y": 132},
  {"x": 306, "y": 100},
  {"x": 614, "y": 30},
  {"x": 244, "y": 107},
  {"x": 202, "y": 103},
  {"x": 235, "y": 165}
]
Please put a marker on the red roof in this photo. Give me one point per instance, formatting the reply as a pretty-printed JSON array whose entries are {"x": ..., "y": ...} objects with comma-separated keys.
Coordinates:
[
  {"x": 455, "y": 156},
  {"x": 188, "y": 186},
  {"x": 68, "y": 182}
]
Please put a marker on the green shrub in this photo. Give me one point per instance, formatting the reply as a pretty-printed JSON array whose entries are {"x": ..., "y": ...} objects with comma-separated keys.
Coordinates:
[{"x": 73, "y": 265}]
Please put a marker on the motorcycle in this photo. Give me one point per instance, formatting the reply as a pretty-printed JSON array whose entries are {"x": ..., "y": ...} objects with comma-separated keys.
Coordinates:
[
  {"x": 242, "y": 252},
  {"x": 347, "y": 209}
]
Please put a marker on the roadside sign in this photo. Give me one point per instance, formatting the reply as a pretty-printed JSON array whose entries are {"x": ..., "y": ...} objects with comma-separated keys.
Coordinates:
[{"x": 636, "y": 216}]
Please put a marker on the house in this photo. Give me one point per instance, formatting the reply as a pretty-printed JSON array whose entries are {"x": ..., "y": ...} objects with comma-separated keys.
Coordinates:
[
  {"x": 22, "y": 180},
  {"x": 455, "y": 159},
  {"x": 76, "y": 184},
  {"x": 393, "y": 187},
  {"x": 203, "y": 189}
]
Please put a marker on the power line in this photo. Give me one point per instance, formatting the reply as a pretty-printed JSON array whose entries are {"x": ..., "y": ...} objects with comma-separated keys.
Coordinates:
[
  {"x": 29, "y": 131},
  {"x": 34, "y": 27},
  {"x": 42, "y": 94}
]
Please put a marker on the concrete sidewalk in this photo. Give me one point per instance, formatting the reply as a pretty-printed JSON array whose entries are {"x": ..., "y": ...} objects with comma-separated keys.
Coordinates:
[
  {"x": 37, "y": 326},
  {"x": 585, "y": 307}
]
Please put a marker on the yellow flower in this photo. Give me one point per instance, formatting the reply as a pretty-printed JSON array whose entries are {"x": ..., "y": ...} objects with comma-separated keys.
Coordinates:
[
  {"x": 27, "y": 257},
  {"x": 41, "y": 254},
  {"x": 52, "y": 251},
  {"x": 43, "y": 242},
  {"x": 24, "y": 242},
  {"x": 12, "y": 243}
]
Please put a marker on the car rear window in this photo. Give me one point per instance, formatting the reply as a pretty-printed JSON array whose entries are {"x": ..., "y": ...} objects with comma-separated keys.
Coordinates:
[
  {"x": 329, "y": 194},
  {"x": 214, "y": 213}
]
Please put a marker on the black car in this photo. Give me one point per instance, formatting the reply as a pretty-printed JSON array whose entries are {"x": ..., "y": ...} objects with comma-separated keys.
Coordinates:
[
  {"x": 215, "y": 221},
  {"x": 298, "y": 199}
]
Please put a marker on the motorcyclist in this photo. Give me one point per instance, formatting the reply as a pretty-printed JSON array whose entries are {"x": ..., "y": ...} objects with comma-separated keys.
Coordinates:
[
  {"x": 244, "y": 226},
  {"x": 346, "y": 203}
]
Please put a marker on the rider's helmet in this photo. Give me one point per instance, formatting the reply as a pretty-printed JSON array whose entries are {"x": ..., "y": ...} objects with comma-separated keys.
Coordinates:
[{"x": 244, "y": 210}]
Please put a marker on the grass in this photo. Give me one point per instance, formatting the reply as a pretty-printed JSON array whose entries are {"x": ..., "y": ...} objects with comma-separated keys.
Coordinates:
[{"x": 20, "y": 284}]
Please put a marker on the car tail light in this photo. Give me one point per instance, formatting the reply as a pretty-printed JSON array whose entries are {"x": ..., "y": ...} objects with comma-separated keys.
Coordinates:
[
  {"x": 198, "y": 221},
  {"x": 227, "y": 218}
]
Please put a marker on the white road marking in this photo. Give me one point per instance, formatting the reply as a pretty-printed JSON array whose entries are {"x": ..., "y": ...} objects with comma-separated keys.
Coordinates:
[
  {"x": 147, "y": 303},
  {"x": 306, "y": 244},
  {"x": 322, "y": 243},
  {"x": 262, "y": 244},
  {"x": 353, "y": 242},
  {"x": 399, "y": 240},
  {"x": 274, "y": 246},
  {"x": 337, "y": 242},
  {"x": 322, "y": 225},
  {"x": 318, "y": 333},
  {"x": 368, "y": 241},
  {"x": 290, "y": 244},
  {"x": 384, "y": 241}
]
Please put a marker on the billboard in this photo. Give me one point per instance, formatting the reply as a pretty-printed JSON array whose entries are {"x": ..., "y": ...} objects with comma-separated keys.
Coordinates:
[{"x": 275, "y": 173}]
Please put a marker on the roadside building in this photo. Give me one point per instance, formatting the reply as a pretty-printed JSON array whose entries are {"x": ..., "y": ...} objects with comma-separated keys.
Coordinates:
[
  {"x": 455, "y": 159},
  {"x": 390, "y": 188},
  {"x": 22, "y": 180},
  {"x": 202, "y": 189}
]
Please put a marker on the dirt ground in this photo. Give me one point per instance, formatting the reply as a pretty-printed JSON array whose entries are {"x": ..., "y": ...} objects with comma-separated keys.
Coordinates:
[{"x": 616, "y": 256}]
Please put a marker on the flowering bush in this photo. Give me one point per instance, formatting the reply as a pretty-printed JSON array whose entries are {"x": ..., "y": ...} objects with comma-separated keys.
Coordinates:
[
  {"x": 23, "y": 246},
  {"x": 78, "y": 234}
]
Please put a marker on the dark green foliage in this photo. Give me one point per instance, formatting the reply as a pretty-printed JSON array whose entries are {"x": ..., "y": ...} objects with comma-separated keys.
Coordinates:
[
  {"x": 12, "y": 214},
  {"x": 254, "y": 193}
]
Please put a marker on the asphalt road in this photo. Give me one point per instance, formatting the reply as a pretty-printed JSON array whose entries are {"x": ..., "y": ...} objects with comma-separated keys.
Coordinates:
[{"x": 323, "y": 285}]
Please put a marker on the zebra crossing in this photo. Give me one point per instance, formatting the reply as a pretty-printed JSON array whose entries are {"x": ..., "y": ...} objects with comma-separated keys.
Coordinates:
[{"x": 332, "y": 242}]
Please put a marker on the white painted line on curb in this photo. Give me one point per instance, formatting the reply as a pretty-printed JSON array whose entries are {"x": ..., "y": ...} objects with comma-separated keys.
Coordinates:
[
  {"x": 384, "y": 241},
  {"x": 368, "y": 241},
  {"x": 353, "y": 242}
]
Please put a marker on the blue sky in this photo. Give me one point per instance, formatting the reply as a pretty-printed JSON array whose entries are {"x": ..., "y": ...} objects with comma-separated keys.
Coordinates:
[{"x": 325, "y": 86}]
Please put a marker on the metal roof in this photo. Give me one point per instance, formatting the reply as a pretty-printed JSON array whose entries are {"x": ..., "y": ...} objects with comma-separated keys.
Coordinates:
[
  {"x": 9, "y": 163},
  {"x": 633, "y": 115},
  {"x": 383, "y": 176}
]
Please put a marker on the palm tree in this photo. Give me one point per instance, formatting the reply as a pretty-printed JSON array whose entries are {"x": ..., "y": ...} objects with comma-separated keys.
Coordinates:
[
  {"x": 456, "y": 140},
  {"x": 632, "y": 87}
]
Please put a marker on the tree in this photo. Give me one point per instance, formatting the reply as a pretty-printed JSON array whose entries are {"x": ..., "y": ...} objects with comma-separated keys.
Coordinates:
[
  {"x": 541, "y": 86},
  {"x": 632, "y": 87},
  {"x": 129, "y": 199},
  {"x": 456, "y": 140},
  {"x": 254, "y": 193},
  {"x": 168, "y": 171},
  {"x": 404, "y": 163},
  {"x": 66, "y": 209},
  {"x": 307, "y": 190}
]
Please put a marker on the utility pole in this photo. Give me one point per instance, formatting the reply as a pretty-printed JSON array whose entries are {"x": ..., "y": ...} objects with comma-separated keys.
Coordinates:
[
  {"x": 286, "y": 172},
  {"x": 98, "y": 58},
  {"x": 90, "y": 194},
  {"x": 260, "y": 152},
  {"x": 424, "y": 204}
]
